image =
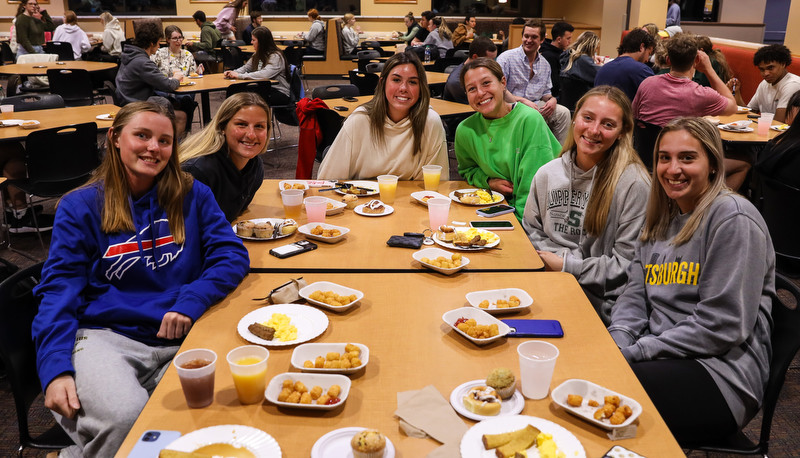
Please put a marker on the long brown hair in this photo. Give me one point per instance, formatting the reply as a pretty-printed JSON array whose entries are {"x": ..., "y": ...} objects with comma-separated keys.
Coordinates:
[
  {"x": 173, "y": 184},
  {"x": 618, "y": 157},
  {"x": 266, "y": 48},
  {"x": 378, "y": 107}
]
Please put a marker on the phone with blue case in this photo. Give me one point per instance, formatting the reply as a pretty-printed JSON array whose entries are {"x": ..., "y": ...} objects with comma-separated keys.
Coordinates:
[
  {"x": 534, "y": 328},
  {"x": 152, "y": 442}
]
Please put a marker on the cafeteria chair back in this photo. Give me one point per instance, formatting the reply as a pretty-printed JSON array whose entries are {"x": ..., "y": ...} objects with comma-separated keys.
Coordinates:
[
  {"x": 62, "y": 48},
  {"x": 74, "y": 86},
  {"x": 572, "y": 89},
  {"x": 294, "y": 55},
  {"x": 644, "y": 140},
  {"x": 31, "y": 102},
  {"x": 785, "y": 345},
  {"x": 375, "y": 46},
  {"x": 335, "y": 91},
  {"x": 779, "y": 204},
  {"x": 365, "y": 82},
  {"x": 330, "y": 123},
  {"x": 261, "y": 88},
  {"x": 231, "y": 57},
  {"x": 375, "y": 67},
  {"x": 461, "y": 54},
  {"x": 36, "y": 83},
  {"x": 365, "y": 57},
  {"x": 287, "y": 113},
  {"x": 298, "y": 43},
  {"x": 18, "y": 306},
  {"x": 6, "y": 54},
  {"x": 232, "y": 43}
]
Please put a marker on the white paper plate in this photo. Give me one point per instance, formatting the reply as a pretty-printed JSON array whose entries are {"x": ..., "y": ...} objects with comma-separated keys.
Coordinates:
[
  {"x": 307, "y": 290},
  {"x": 433, "y": 253},
  {"x": 729, "y": 129},
  {"x": 30, "y": 124},
  {"x": 497, "y": 197},
  {"x": 363, "y": 184},
  {"x": 453, "y": 246},
  {"x": 780, "y": 128},
  {"x": 338, "y": 206},
  {"x": 596, "y": 392},
  {"x": 261, "y": 444},
  {"x": 741, "y": 109},
  {"x": 195, "y": 77},
  {"x": 104, "y": 117},
  {"x": 420, "y": 195},
  {"x": 306, "y": 229},
  {"x": 186, "y": 83},
  {"x": 481, "y": 317},
  {"x": 492, "y": 295},
  {"x": 310, "y": 351},
  {"x": 387, "y": 210},
  {"x": 324, "y": 381},
  {"x": 292, "y": 182},
  {"x": 274, "y": 221},
  {"x": 10, "y": 122},
  {"x": 510, "y": 406},
  {"x": 309, "y": 322},
  {"x": 337, "y": 444},
  {"x": 472, "y": 446}
]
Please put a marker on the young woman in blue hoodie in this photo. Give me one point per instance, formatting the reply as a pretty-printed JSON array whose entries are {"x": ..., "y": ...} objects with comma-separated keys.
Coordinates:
[{"x": 137, "y": 256}]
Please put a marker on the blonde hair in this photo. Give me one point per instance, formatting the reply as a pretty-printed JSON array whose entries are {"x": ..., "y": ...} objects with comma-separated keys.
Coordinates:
[
  {"x": 106, "y": 17},
  {"x": 212, "y": 138},
  {"x": 173, "y": 183},
  {"x": 347, "y": 17},
  {"x": 660, "y": 208},
  {"x": 585, "y": 45},
  {"x": 444, "y": 29},
  {"x": 616, "y": 159}
]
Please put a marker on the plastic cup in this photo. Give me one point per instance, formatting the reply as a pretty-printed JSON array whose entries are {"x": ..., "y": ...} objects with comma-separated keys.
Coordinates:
[
  {"x": 249, "y": 369},
  {"x": 292, "y": 202},
  {"x": 315, "y": 209},
  {"x": 196, "y": 372},
  {"x": 537, "y": 359},
  {"x": 388, "y": 187},
  {"x": 764, "y": 121},
  {"x": 438, "y": 212},
  {"x": 431, "y": 174},
  {"x": 7, "y": 111}
]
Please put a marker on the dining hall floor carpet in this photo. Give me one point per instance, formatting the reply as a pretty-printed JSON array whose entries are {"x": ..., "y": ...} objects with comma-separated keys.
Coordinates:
[{"x": 281, "y": 164}]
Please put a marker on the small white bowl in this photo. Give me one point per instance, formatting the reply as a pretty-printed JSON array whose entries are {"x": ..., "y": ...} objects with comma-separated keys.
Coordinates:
[
  {"x": 324, "y": 381},
  {"x": 291, "y": 183},
  {"x": 30, "y": 124},
  {"x": 480, "y": 317},
  {"x": 306, "y": 292},
  {"x": 433, "y": 253},
  {"x": 310, "y": 351},
  {"x": 338, "y": 206},
  {"x": 306, "y": 229},
  {"x": 593, "y": 391},
  {"x": 476, "y": 297}
]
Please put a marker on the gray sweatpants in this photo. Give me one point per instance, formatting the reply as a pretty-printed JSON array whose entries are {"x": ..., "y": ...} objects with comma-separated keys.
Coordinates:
[
  {"x": 558, "y": 121},
  {"x": 114, "y": 376}
]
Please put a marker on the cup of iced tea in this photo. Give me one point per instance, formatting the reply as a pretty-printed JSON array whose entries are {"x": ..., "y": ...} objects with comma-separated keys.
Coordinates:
[
  {"x": 196, "y": 372},
  {"x": 292, "y": 202},
  {"x": 248, "y": 365}
]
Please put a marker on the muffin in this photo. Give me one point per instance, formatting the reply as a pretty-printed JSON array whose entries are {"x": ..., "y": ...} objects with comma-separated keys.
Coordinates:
[
  {"x": 263, "y": 230},
  {"x": 368, "y": 444},
  {"x": 245, "y": 228},
  {"x": 350, "y": 200},
  {"x": 447, "y": 233},
  {"x": 503, "y": 381}
]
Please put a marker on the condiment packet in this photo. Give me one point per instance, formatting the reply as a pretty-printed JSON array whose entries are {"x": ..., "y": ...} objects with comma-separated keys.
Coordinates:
[
  {"x": 429, "y": 411},
  {"x": 627, "y": 432}
]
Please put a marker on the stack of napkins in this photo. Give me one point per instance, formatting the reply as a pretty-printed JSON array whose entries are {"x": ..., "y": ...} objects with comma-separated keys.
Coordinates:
[{"x": 426, "y": 413}]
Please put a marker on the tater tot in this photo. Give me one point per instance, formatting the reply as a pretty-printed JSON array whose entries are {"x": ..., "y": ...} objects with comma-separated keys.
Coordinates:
[
  {"x": 305, "y": 398},
  {"x": 334, "y": 391},
  {"x": 599, "y": 414},
  {"x": 294, "y": 398},
  {"x": 593, "y": 403},
  {"x": 625, "y": 410},
  {"x": 308, "y": 364},
  {"x": 355, "y": 362},
  {"x": 608, "y": 410},
  {"x": 300, "y": 387},
  {"x": 284, "y": 394},
  {"x": 332, "y": 356},
  {"x": 345, "y": 364},
  {"x": 574, "y": 400},
  {"x": 616, "y": 418},
  {"x": 288, "y": 383},
  {"x": 316, "y": 392},
  {"x": 614, "y": 400},
  {"x": 319, "y": 362},
  {"x": 322, "y": 400},
  {"x": 351, "y": 348},
  {"x": 353, "y": 354}
]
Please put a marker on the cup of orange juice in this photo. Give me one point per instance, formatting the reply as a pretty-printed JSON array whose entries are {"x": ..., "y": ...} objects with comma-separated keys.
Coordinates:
[
  {"x": 388, "y": 188},
  {"x": 248, "y": 365},
  {"x": 431, "y": 174}
]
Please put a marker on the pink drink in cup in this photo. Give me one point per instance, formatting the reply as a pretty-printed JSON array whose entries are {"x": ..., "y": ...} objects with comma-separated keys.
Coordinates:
[
  {"x": 438, "y": 212},
  {"x": 315, "y": 209},
  {"x": 196, "y": 372},
  {"x": 764, "y": 121}
]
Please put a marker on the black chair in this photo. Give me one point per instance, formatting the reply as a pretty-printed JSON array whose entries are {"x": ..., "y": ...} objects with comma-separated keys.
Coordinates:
[
  {"x": 330, "y": 123},
  {"x": 232, "y": 43},
  {"x": 62, "y": 48},
  {"x": 572, "y": 89},
  {"x": 441, "y": 64},
  {"x": 375, "y": 67},
  {"x": 261, "y": 88},
  {"x": 231, "y": 57},
  {"x": 375, "y": 46},
  {"x": 294, "y": 55},
  {"x": 785, "y": 345},
  {"x": 31, "y": 102},
  {"x": 779, "y": 206},
  {"x": 365, "y": 82},
  {"x": 74, "y": 86},
  {"x": 365, "y": 57},
  {"x": 287, "y": 113},
  {"x": 298, "y": 43},
  {"x": 461, "y": 53},
  {"x": 6, "y": 54},
  {"x": 644, "y": 140},
  {"x": 335, "y": 91},
  {"x": 18, "y": 306}
]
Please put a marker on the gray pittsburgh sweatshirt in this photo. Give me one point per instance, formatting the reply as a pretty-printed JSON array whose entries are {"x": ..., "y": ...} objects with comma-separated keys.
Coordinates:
[
  {"x": 553, "y": 219},
  {"x": 709, "y": 299}
]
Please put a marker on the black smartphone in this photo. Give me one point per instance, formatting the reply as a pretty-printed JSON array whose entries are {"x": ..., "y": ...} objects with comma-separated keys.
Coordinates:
[
  {"x": 534, "y": 328},
  {"x": 494, "y": 210},
  {"x": 350, "y": 99},
  {"x": 493, "y": 225},
  {"x": 340, "y": 108},
  {"x": 754, "y": 116},
  {"x": 292, "y": 249}
]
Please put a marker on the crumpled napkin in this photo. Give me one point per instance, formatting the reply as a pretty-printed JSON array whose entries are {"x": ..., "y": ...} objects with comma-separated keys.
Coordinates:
[{"x": 426, "y": 412}]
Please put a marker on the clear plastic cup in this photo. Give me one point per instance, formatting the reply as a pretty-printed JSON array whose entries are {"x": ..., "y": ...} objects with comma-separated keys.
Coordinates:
[
  {"x": 292, "y": 202},
  {"x": 438, "y": 212},
  {"x": 7, "y": 111},
  {"x": 431, "y": 174},
  {"x": 764, "y": 121},
  {"x": 388, "y": 188},
  {"x": 249, "y": 370},
  {"x": 196, "y": 370},
  {"x": 537, "y": 360},
  {"x": 315, "y": 209}
]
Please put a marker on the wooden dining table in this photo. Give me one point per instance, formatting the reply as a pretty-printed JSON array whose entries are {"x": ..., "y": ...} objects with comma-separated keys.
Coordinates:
[
  {"x": 40, "y": 68},
  {"x": 206, "y": 84},
  {"x": 444, "y": 108},
  {"x": 58, "y": 117},
  {"x": 410, "y": 347},
  {"x": 364, "y": 248},
  {"x": 750, "y": 137}
]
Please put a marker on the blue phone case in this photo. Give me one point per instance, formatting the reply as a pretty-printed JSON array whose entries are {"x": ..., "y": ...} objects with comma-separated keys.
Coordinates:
[
  {"x": 152, "y": 442},
  {"x": 534, "y": 328}
]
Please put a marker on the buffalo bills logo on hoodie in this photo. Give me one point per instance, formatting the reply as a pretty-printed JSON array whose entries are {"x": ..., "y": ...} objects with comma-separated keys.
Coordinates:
[{"x": 128, "y": 253}]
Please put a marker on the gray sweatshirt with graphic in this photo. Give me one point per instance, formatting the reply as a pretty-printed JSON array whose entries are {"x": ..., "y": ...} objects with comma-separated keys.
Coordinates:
[
  {"x": 553, "y": 219},
  {"x": 709, "y": 299}
]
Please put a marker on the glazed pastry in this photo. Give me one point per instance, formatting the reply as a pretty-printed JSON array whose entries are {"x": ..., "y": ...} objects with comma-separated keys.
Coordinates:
[{"x": 374, "y": 207}]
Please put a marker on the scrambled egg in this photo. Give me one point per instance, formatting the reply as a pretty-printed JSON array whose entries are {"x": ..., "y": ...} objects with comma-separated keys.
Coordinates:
[
  {"x": 486, "y": 235},
  {"x": 284, "y": 330},
  {"x": 486, "y": 198},
  {"x": 547, "y": 446}
]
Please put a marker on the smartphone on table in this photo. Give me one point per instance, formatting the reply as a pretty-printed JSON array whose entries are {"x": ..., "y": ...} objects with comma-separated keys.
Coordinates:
[
  {"x": 494, "y": 210},
  {"x": 534, "y": 328},
  {"x": 292, "y": 249},
  {"x": 152, "y": 442},
  {"x": 493, "y": 225}
]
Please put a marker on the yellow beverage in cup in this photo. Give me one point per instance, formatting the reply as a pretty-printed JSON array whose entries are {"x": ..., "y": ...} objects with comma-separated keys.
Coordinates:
[
  {"x": 249, "y": 370},
  {"x": 250, "y": 387},
  {"x": 431, "y": 174},
  {"x": 293, "y": 211},
  {"x": 388, "y": 191}
]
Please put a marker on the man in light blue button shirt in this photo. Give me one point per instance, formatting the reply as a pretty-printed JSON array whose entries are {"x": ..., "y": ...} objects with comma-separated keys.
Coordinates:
[{"x": 528, "y": 79}]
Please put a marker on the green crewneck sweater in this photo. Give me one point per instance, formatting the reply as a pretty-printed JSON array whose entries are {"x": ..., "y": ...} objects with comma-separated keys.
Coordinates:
[{"x": 30, "y": 31}]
